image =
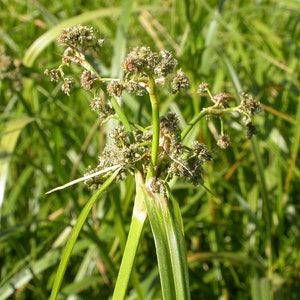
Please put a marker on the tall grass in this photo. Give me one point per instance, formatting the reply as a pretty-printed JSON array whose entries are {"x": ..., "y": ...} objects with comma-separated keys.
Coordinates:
[{"x": 242, "y": 239}]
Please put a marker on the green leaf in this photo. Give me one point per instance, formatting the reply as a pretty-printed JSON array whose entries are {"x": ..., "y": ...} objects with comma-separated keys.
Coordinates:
[
  {"x": 44, "y": 40},
  {"x": 8, "y": 141},
  {"x": 261, "y": 289},
  {"x": 26, "y": 274},
  {"x": 139, "y": 216},
  {"x": 166, "y": 225},
  {"x": 74, "y": 235}
]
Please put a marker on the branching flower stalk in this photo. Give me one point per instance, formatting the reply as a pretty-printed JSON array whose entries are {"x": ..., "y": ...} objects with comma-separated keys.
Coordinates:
[{"x": 154, "y": 153}]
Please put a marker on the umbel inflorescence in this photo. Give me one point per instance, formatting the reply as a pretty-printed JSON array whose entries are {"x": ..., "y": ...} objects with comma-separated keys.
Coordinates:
[{"x": 131, "y": 146}]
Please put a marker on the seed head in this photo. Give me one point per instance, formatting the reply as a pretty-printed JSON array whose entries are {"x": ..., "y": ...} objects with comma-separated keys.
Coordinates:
[
  {"x": 67, "y": 85},
  {"x": 179, "y": 82},
  {"x": 201, "y": 151},
  {"x": 135, "y": 88},
  {"x": 221, "y": 99},
  {"x": 169, "y": 127},
  {"x": 115, "y": 88},
  {"x": 139, "y": 60},
  {"x": 131, "y": 65},
  {"x": 54, "y": 74},
  {"x": 251, "y": 130},
  {"x": 166, "y": 64},
  {"x": 98, "y": 104},
  {"x": 80, "y": 38},
  {"x": 223, "y": 141},
  {"x": 87, "y": 79},
  {"x": 202, "y": 88},
  {"x": 250, "y": 106}
]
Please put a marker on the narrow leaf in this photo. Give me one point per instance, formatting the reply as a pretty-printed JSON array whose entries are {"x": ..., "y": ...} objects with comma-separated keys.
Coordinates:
[{"x": 74, "y": 235}]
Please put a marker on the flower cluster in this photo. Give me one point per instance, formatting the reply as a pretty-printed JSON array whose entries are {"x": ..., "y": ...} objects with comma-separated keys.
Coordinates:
[
  {"x": 180, "y": 160},
  {"x": 77, "y": 40},
  {"x": 122, "y": 152},
  {"x": 175, "y": 159},
  {"x": 102, "y": 107},
  {"x": 141, "y": 60},
  {"x": 88, "y": 79},
  {"x": 140, "y": 67},
  {"x": 140, "y": 64},
  {"x": 247, "y": 109},
  {"x": 223, "y": 141}
]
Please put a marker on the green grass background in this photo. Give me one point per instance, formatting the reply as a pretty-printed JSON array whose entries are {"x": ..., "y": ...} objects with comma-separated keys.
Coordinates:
[{"x": 243, "y": 241}]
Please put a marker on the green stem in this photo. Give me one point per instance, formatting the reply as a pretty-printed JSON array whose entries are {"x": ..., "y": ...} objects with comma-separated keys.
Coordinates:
[
  {"x": 135, "y": 232},
  {"x": 155, "y": 125},
  {"x": 213, "y": 111},
  {"x": 122, "y": 117}
]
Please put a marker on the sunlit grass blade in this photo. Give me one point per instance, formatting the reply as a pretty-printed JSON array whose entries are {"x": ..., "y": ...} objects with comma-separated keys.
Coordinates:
[
  {"x": 267, "y": 203},
  {"x": 210, "y": 37},
  {"x": 25, "y": 275},
  {"x": 74, "y": 235},
  {"x": 44, "y": 40},
  {"x": 83, "y": 178},
  {"x": 139, "y": 216},
  {"x": 261, "y": 289},
  {"x": 121, "y": 39},
  {"x": 8, "y": 140}
]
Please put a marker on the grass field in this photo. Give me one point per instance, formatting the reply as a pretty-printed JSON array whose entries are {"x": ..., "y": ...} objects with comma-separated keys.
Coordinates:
[{"x": 242, "y": 230}]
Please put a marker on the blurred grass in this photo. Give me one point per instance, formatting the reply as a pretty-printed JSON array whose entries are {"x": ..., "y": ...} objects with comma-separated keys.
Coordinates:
[{"x": 237, "y": 249}]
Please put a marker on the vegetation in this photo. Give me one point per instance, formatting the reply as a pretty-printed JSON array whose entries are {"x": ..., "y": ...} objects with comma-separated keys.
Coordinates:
[{"x": 238, "y": 210}]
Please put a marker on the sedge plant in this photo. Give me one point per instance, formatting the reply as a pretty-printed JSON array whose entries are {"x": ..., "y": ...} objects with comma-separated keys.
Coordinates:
[{"x": 153, "y": 153}]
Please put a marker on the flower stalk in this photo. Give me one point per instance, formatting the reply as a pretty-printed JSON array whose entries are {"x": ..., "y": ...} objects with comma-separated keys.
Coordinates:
[{"x": 155, "y": 126}]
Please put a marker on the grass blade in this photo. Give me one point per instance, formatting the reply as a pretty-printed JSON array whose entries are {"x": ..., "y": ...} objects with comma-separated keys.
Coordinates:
[
  {"x": 74, "y": 235},
  {"x": 44, "y": 40},
  {"x": 8, "y": 142},
  {"x": 137, "y": 223},
  {"x": 83, "y": 179},
  {"x": 120, "y": 41}
]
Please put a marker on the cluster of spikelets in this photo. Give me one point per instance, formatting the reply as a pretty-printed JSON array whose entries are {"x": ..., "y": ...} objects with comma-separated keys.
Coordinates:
[
  {"x": 137, "y": 66},
  {"x": 131, "y": 151},
  {"x": 174, "y": 158}
]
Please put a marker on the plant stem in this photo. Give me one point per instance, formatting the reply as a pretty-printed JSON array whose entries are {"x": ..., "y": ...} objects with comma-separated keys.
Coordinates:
[
  {"x": 122, "y": 117},
  {"x": 155, "y": 125},
  {"x": 166, "y": 225},
  {"x": 214, "y": 111}
]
